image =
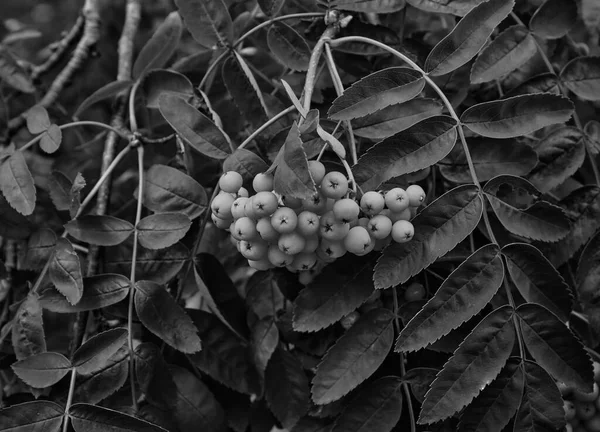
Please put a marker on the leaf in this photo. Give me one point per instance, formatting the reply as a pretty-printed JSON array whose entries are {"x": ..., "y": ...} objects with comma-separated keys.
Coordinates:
[
  {"x": 582, "y": 76},
  {"x": 420, "y": 379},
  {"x": 338, "y": 290},
  {"x": 208, "y": 21},
  {"x": 377, "y": 407},
  {"x": 292, "y": 177},
  {"x": 415, "y": 148},
  {"x": 537, "y": 279},
  {"x": 159, "y": 81},
  {"x": 468, "y": 37},
  {"x": 354, "y": 357},
  {"x": 395, "y": 118},
  {"x": 13, "y": 225},
  {"x": 373, "y": 6},
  {"x": 13, "y": 74},
  {"x": 99, "y": 292},
  {"x": 31, "y": 416},
  {"x": 439, "y": 227},
  {"x": 554, "y": 347},
  {"x": 265, "y": 339},
  {"x": 476, "y": 362},
  {"x": 154, "y": 378},
  {"x": 490, "y": 158},
  {"x": 16, "y": 183},
  {"x": 106, "y": 92},
  {"x": 102, "y": 383},
  {"x": 198, "y": 130},
  {"x": 542, "y": 405},
  {"x": 497, "y": 403},
  {"x": 51, "y": 140},
  {"x": 542, "y": 83},
  {"x": 160, "y": 314},
  {"x": 286, "y": 388},
  {"x": 376, "y": 91},
  {"x": 246, "y": 163},
  {"x": 561, "y": 154},
  {"x": 162, "y": 230},
  {"x": 28, "y": 328},
  {"x": 263, "y": 295},
  {"x": 91, "y": 418},
  {"x": 518, "y": 115},
  {"x": 160, "y": 48},
  {"x": 65, "y": 271},
  {"x": 554, "y": 18},
  {"x": 43, "y": 369},
  {"x": 461, "y": 296},
  {"x": 289, "y": 47},
  {"x": 509, "y": 51},
  {"x": 539, "y": 221},
  {"x": 96, "y": 351},
  {"x": 37, "y": 119},
  {"x": 61, "y": 188},
  {"x": 455, "y": 7},
  {"x": 101, "y": 230},
  {"x": 270, "y": 7},
  {"x": 195, "y": 407},
  {"x": 167, "y": 189}
]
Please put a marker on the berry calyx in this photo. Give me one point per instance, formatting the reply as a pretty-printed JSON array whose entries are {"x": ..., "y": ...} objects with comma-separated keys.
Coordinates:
[
  {"x": 308, "y": 223},
  {"x": 264, "y": 203},
  {"x": 402, "y": 231},
  {"x": 396, "y": 200},
  {"x": 284, "y": 220},
  {"x": 334, "y": 185},
  {"x": 379, "y": 227},
  {"x": 372, "y": 203},
  {"x": 331, "y": 229},
  {"x": 291, "y": 243}
]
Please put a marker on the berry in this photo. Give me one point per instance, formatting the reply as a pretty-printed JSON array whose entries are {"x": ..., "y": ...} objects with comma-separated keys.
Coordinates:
[
  {"x": 402, "y": 231},
  {"x": 416, "y": 195},
  {"x": 291, "y": 202},
  {"x": 349, "y": 320},
  {"x": 278, "y": 258},
  {"x": 264, "y": 203},
  {"x": 262, "y": 182},
  {"x": 308, "y": 223},
  {"x": 334, "y": 185},
  {"x": 243, "y": 192},
  {"x": 396, "y": 200},
  {"x": 263, "y": 264},
  {"x": 254, "y": 249},
  {"x": 237, "y": 208},
  {"x": 358, "y": 240},
  {"x": 220, "y": 223},
  {"x": 316, "y": 204},
  {"x": 331, "y": 229},
  {"x": 291, "y": 243},
  {"x": 332, "y": 249},
  {"x": 266, "y": 231},
  {"x": 245, "y": 228},
  {"x": 372, "y": 203},
  {"x": 304, "y": 261},
  {"x": 316, "y": 170},
  {"x": 414, "y": 292},
  {"x": 312, "y": 243},
  {"x": 231, "y": 182},
  {"x": 221, "y": 205},
  {"x": 587, "y": 397},
  {"x": 593, "y": 424},
  {"x": 380, "y": 227},
  {"x": 284, "y": 220},
  {"x": 585, "y": 410},
  {"x": 405, "y": 214},
  {"x": 305, "y": 277},
  {"x": 346, "y": 210},
  {"x": 324, "y": 256},
  {"x": 569, "y": 408},
  {"x": 249, "y": 209}
]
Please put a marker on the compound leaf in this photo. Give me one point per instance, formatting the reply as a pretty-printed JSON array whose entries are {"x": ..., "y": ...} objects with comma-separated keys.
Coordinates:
[{"x": 101, "y": 230}]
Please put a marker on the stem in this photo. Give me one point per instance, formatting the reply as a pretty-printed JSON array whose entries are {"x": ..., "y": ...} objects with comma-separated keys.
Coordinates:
[
  {"x": 69, "y": 399},
  {"x": 315, "y": 56},
  {"x": 350, "y": 175},
  {"x": 266, "y": 125},
  {"x": 132, "y": 119}
]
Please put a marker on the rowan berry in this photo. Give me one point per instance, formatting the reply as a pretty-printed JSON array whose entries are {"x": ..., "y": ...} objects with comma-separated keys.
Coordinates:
[
  {"x": 308, "y": 223},
  {"x": 312, "y": 243},
  {"x": 346, "y": 210},
  {"x": 253, "y": 249},
  {"x": 379, "y": 227},
  {"x": 331, "y": 229},
  {"x": 585, "y": 410},
  {"x": 569, "y": 408},
  {"x": 372, "y": 203},
  {"x": 231, "y": 181},
  {"x": 334, "y": 185},
  {"x": 221, "y": 223},
  {"x": 284, "y": 220},
  {"x": 262, "y": 182},
  {"x": 264, "y": 203},
  {"x": 238, "y": 207},
  {"x": 358, "y": 240},
  {"x": 317, "y": 171},
  {"x": 243, "y": 192},
  {"x": 402, "y": 231},
  {"x": 396, "y": 200},
  {"x": 332, "y": 249},
  {"x": 416, "y": 195},
  {"x": 266, "y": 231},
  {"x": 277, "y": 257},
  {"x": 316, "y": 204},
  {"x": 262, "y": 264},
  {"x": 304, "y": 261},
  {"x": 245, "y": 228},
  {"x": 291, "y": 243},
  {"x": 221, "y": 205}
]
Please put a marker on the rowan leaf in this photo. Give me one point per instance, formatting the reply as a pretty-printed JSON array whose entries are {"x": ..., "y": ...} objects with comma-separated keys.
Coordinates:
[
  {"x": 161, "y": 230},
  {"x": 468, "y": 37},
  {"x": 354, "y": 357},
  {"x": 265, "y": 339},
  {"x": 28, "y": 336},
  {"x": 263, "y": 295},
  {"x": 101, "y": 230},
  {"x": 92, "y": 418},
  {"x": 270, "y": 7},
  {"x": 95, "y": 352},
  {"x": 43, "y": 369},
  {"x": 461, "y": 296},
  {"x": 290, "y": 48},
  {"x": 105, "y": 92},
  {"x": 246, "y": 163},
  {"x": 208, "y": 21},
  {"x": 456, "y": 7},
  {"x": 37, "y": 119},
  {"x": 29, "y": 416},
  {"x": 158, "y": 81},
  {"x": 439, "y": 227},
  {"x": 65, "y": 271},
  {"x": 95, "y": 387},
  {"x": 12, "y": 73},
  {"x": 554, "y": 18},
  {"x": 543, "y": 83},
  {"x": 582, "y": 76},
  {"x": 16, "y": 183}
]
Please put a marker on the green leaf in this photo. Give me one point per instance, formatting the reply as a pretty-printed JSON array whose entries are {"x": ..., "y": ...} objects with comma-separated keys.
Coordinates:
[
  {"x": 509, "y": 51},
  {"x": 160, "y": 48},
  {"x": 162, "y": 230},
  {"x": 167, "y": 189},
  {"x": 395, "y": 118},
  {"x": 153, "y": 376},
  {"x": 263, "y": 295},
  {"x": 455, "y": 7},
  {"x": 92, "y": 418},
  {"x": 12, "y": 73},
  {"x": 28, "y": 328},
  {"x": 246, "y": 163},
  {"x": 369, "y": 6},
  {"x": 377, "y": 407},
  {"x": 418, "y": 147},
  {"x": 160, "y": 314},
  {"x": 95, "y": 352},
  {"x": 537, "y": 279},
  {"x": 290, "y": 48},
  {"x": 101, "y": 230},
  {"x": 354, "y": 357},
  {"x": 16, "y": 183},
  {"x": 13, "y": 225},
  {"x": 51, "y": 139},
  {"x": 561, "y": 154},
  {"x": 554, "y": 18},
  {"x": 64, "y": 192},
  {"x": 30, "y": 416},
  {"x": 554, "y": 347},
  {"x": 420, "y": 379},
  {"x": 265, "y": 339},
  {"x": 198, "y": 130},
  {"x": 102, "y": 383},
  {"x": 539, "y": 221},
  {"x": 39, "y": 248},
  {"x": 338, "y": 290},
  {"x": 43, "y": 369},
  {"x": 65, "y": 271},
  {"x": 270, "y": 7},
  {"x": 476, "y": 362},
  {"x": 208, "y": 21},
  {"x": 439, "y": 227},
  {"x": 497, "y": 403},
  {"x": 582, "y": 76},
  {"x": 542, "y": 83},
  {"x": 518, "y": 115},
  {"x": 105, "y": 92},
  {"x": 376, "y": 91},
  {"x": 37, "y": 119},
  {"x": 468, "y": 37},
  {"x": 286, "y": 388},
  {"x": 99, "y": 292},
  {"x": 541, "y": 405},
  {"x": 159, "y": 81}
]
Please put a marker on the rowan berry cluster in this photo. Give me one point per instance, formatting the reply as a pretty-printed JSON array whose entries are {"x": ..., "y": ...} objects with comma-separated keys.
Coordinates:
[
  {"x": 271, "y": 230},
  {"x": 582, "y": 410}
]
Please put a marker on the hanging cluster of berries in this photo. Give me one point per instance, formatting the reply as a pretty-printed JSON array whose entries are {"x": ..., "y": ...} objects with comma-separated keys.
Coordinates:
[
  {"x": 278, "y": 231},
  {"x": 582, "y": 410}
]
